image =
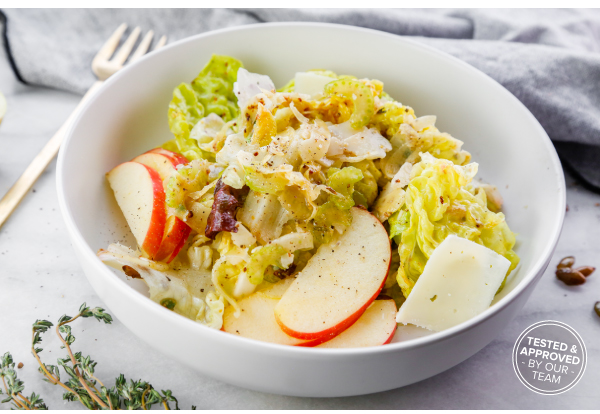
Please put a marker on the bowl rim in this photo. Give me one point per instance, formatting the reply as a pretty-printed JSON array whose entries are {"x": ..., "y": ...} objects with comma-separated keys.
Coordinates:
[{"x": 181, "y": 322}]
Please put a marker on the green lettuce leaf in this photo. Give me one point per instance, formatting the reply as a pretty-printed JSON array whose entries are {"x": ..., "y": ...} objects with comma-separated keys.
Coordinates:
[
  {"x": 440, "y": 202},
  {"x": 261, "y": 258},
  {"x": 389, "y": 117},
  {"x": 264, "y": 183},
  {"x": 210, "y": 92}
]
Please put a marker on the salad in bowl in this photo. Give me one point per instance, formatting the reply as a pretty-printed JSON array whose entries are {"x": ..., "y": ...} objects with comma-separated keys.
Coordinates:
[{"x": 320, "y": 214}]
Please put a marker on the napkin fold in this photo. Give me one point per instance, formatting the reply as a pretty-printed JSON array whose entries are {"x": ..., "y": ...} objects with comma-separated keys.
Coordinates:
[{"x": 549, "y": 59}]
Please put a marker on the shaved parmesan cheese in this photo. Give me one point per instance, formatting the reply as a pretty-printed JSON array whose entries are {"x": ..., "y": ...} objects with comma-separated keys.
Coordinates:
[
  {"x": 249, "y": 85},
  {"x": 459, "y": 282},
  {"x": 301, "y": 118},
  {"x": 343, "y": 130},
  {"x": 336, "y": 147},
  {"x": 366, "y": 145},
  {"x": 354, "y": 145},
  {"x": 311, "y": 83}
]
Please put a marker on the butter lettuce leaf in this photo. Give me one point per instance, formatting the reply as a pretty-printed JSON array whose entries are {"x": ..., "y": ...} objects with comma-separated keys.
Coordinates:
[
  {"x": 440, "y": 201},
  {"x": 210, "y": 92}
]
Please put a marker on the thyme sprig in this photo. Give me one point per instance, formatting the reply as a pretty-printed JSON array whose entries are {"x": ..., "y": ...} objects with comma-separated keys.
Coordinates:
[
  {"x": 13, "y": 387},
  {"x": 82, "y": 385}
]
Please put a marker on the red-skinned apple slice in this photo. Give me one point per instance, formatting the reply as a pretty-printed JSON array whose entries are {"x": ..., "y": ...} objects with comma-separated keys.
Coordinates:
[
  {"x": 176, "y": 231},
  {"x": 141, "y": 197},
  {"x": 175, "y": 157},
  {"x": 339, "y": 282},
  {"x": 176, "y": 234},
  {"x": 375, "y": 327}
]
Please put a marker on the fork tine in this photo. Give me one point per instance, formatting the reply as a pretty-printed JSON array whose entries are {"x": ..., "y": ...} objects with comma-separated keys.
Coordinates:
[
  {"x": 121, "y": 56},
  {"x": 162, "y": 41},
  {"x": 143, "y": 47},
  {"x": 111, "y": 44}
]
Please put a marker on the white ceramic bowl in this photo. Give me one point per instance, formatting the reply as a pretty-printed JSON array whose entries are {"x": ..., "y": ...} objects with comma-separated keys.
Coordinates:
[{"x": 129, "y": 115}]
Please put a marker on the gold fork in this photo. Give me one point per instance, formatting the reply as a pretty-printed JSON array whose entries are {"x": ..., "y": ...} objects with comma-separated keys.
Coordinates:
[{"x": 103, "y": 67}]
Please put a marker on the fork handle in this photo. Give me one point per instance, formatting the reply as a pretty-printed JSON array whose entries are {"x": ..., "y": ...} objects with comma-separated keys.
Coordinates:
[{"x": 13, "y": 197}]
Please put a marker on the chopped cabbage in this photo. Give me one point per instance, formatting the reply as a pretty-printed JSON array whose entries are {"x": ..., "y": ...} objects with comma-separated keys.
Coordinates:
[
  {"x": 294, "y": 201},
  {"x": 237, "y": 269},
  {"x": 408, "y": 143},
  {"x": 330, "y": 217},
  {"x": 354, "y": 145},
  {"x": 392, "y": 195},
  {"x": 261, "y": 258},
  {"x": 206, "y": 133},
  {"x": 242, "y": 238},
  {"x": 168, "y": 290},
  {"x": 315, "y": 141},
  {"x": 295, "y": 241},
  {"x": 200, "y": 257},
  {"x": 188, "y": 179},
  {"x": 263, "y": 215},
  {"x": 493, "y": 196},
  {"x": 389, "y": 117}
]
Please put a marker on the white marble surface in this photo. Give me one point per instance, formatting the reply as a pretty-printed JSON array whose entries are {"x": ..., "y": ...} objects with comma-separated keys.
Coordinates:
[{"x": 40, "y": 278}]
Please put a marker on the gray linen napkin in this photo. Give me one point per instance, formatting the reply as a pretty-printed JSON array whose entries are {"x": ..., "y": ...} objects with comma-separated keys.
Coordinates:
[{"x": 549, "y": 59}]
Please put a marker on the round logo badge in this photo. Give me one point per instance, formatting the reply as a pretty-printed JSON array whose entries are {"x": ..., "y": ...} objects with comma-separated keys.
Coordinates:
[{"x": 549, "y": 357}]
